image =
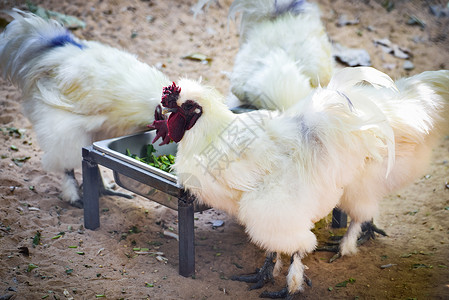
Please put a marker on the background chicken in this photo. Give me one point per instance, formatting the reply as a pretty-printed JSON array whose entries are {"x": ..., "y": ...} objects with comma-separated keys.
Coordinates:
[
  {"x": 349, "y": 144},
  {"x": 284, "y": 52},
  {"x": 75, "y": 92}
]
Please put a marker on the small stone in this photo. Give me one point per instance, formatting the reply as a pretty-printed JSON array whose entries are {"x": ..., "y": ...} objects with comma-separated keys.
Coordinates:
[
  {"x": 408, "y": 65},
  {"x": 217, "y": 223}
]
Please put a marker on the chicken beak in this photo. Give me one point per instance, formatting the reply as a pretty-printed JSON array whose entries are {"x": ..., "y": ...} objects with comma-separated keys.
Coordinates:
[{"x": 166, "y": 110}]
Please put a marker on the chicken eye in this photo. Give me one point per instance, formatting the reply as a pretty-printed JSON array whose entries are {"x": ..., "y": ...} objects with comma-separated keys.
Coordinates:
[{"x": 188, "y": 105}]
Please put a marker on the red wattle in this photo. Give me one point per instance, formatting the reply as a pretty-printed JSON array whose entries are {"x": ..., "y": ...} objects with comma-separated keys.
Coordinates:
[{"x": 176, "y": 126}]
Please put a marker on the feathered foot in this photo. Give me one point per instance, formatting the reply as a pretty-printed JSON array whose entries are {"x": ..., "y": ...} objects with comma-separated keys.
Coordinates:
[
  {"x": 295, "y": 278},
  {"x": 72, "y": 192},
  {"x": 262, "y": 275},
  {"x": 284, "y": 292},
  {"x": 369, "y": 230},
  {"x": 71, "y": 189},
  {"x": 332, "y": 245},
  {"x": 357, "y": 235}
]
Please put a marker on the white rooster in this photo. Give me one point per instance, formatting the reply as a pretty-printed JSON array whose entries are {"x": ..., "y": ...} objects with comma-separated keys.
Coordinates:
[
  {"x": 74, "y": 91},
  {"x": 346, "y": 145},
  {"x": 284, "y": 53}
]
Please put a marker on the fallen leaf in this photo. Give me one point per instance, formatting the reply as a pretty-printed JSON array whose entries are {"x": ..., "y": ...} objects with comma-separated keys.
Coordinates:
[
  {"x": 36, "y": 239},
  {"x": 420, "y": 266},
  {"x": 70, "y": 22},
  {"x": 69, "y": 271},
  {"x": 388, "y": 47},
  {"x": 387, "y": 266},
  {"x": 171, "y": 234},
  {"x": 414, "y": 20},
  {"x": 345, "y": 283},
  {"x": 31, "y": 267},
  {"x": 388, "y": 5},
  {"x": 198, "y": 57},
  {"x": 19, "y": 161},
  {"x": 439, "y": 10}
]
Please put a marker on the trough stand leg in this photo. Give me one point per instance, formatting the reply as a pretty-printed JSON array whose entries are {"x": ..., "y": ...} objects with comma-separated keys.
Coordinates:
[
  {"x": 339, "y": 218},
  {"x": 186, "y": 235},
  {"x": 91, "y": 194}
]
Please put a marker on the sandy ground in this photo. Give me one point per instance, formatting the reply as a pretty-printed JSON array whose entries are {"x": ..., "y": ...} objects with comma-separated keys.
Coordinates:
[{"x": 162, "y": 32}]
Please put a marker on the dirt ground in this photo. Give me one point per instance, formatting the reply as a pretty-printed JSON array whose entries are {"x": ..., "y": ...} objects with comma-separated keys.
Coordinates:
[{"x": 415, "y": 255}]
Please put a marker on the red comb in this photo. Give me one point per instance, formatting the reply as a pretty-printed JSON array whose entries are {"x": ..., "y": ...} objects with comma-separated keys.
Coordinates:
[{"x": 169, "y": 95}]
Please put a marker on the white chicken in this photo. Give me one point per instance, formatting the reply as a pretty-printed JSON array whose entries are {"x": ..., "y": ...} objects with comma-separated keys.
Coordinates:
[
  {"x": 74, "y": 91},
  {"x": 346, "y": 145},
  {"x": 284, "y": 53}
]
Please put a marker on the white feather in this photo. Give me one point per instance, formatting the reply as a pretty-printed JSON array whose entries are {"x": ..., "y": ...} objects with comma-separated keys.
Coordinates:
[
  {"x": 279, "y": 173},
  {"x": 77, "y": 92},
  {"x": 273, "y": 70}
]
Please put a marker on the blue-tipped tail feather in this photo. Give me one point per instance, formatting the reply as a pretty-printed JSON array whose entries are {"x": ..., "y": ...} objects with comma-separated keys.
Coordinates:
[
  {"x": 26, "y": 39},
  {"x": 64, "y": 39}
]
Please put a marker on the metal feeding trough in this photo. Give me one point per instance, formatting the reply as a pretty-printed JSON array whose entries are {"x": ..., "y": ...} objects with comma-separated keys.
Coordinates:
[
  {"x": 142, "y": 179},
  {"x": 136, "y": 144}
]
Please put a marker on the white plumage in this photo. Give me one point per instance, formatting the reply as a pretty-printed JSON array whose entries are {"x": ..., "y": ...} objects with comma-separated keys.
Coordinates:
[
  {"x": 346, "y": 145},
  {"x": 284, "y": 52},
  {"x": 74, "y": 91}
]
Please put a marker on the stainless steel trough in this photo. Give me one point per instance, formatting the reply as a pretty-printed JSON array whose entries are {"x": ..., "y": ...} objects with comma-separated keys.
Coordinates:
[
  {"x": 136, "y": 144},
  {"x": 142, "y": 179}
]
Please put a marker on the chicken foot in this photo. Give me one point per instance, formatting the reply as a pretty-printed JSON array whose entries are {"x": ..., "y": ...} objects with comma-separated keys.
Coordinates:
[
  {"x": 72, "y": 191},
  {"x": 262, "y": 275},
  {"x": 294, "y": 282},
  {"x": 369, "y": 230},
  {"x": 357, "y": 234}
]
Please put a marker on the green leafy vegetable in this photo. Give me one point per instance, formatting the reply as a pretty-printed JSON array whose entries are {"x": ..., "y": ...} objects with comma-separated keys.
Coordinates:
[
  {"x": 36, "y": 239},
  {"x": 19, "y": 161},
  {"x": 68, "y": 271},
  {"x": 163, "y": 162},
  {"x": 31, "y": 267},
  {"x": 345, "y": 283}
]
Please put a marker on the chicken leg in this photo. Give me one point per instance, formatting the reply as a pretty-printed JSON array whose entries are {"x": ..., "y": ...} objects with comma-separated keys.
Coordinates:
[
  {"x": 71, "y": 189},
  {"x": 357, "y": 234},
  {"x": 294, "y": 280},
  {"x": 369, "y": 229},
  {"x": 262, "y": 275}
]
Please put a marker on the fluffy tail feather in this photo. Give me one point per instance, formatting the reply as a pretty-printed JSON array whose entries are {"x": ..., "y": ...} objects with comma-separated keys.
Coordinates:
[
  {"x": 276, "y": 86},
  {"x": 253, "y": 11},
  {"x": 25, "y": 39},
  {"x": 374, "y": 118},
  {"x": 430, "y": 91}
]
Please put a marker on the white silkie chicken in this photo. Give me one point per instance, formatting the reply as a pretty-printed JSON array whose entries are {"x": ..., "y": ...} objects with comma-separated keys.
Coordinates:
[
  {"x": 74, "y": 91},
  {"x": 284, "y": 53},
  {"x": 346, "y": 145}
]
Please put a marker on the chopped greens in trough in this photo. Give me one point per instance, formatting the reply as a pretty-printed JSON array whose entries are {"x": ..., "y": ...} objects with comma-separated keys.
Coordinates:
[{"x": 163, "y": 162}]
